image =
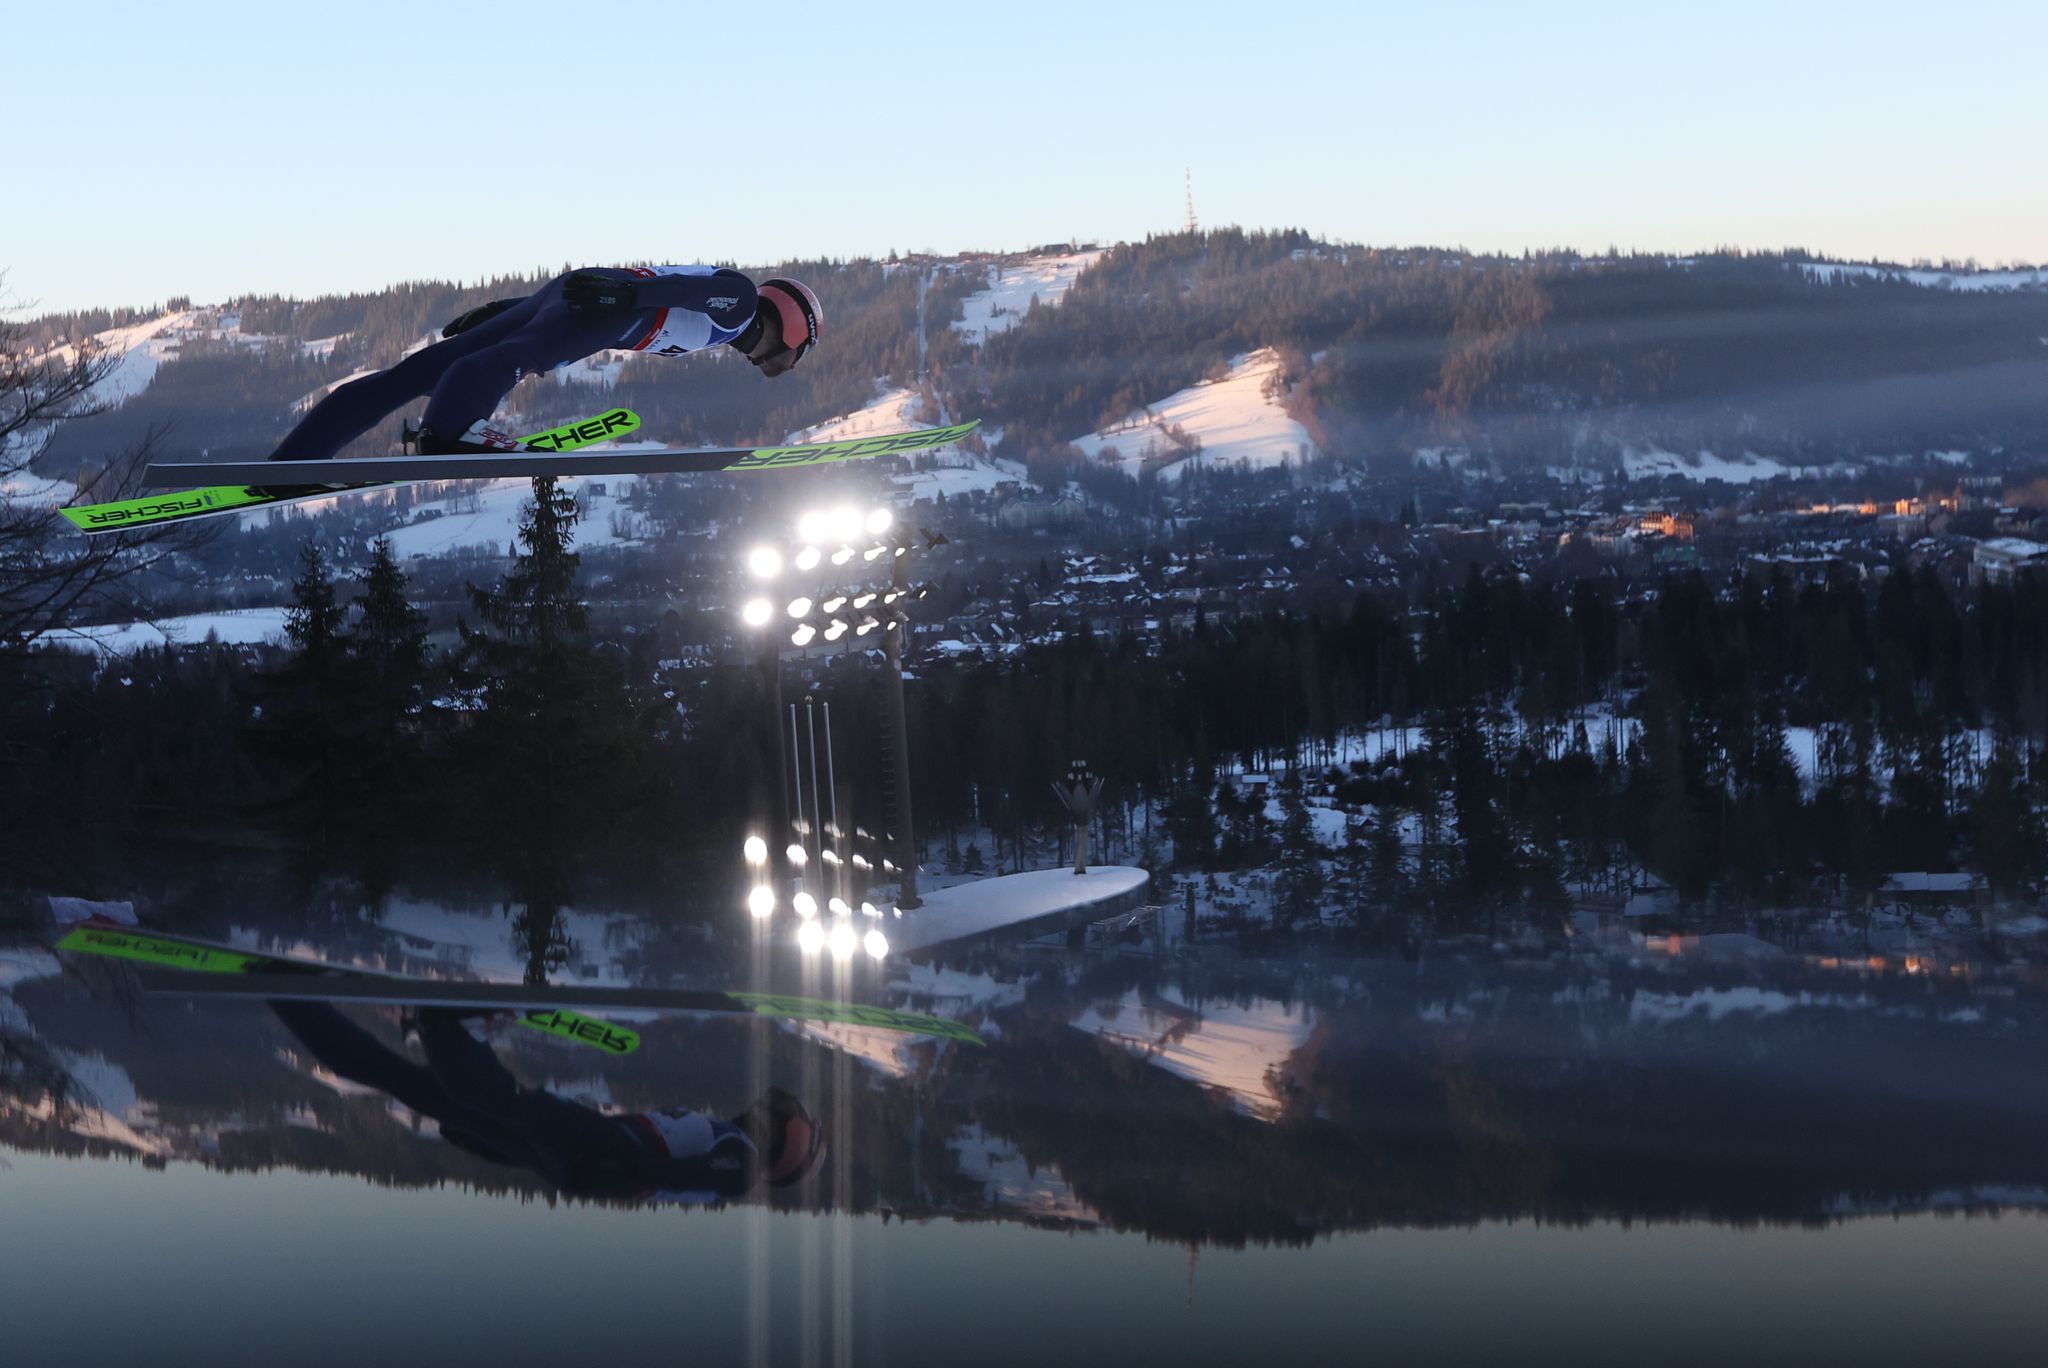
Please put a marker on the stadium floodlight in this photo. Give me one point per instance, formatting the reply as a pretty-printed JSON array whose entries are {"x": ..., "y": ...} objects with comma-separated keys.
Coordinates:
[
  {"x": 902, "y": 550},
  {"x": 877, "y": 944},
  {"x": 878, "y": 521},
  {"x": 864, "y": 600},
  {"x": 831, "y": 856},
  {"x": 842, "y": 940},
  {"x": 836, "y": 630},
  {"x": 796, "y": 854},
  {"x": 761, "y": 902},
  {"x": 868, "y": 909},
  {"x": 808, "y": 558},
  {"x": 872, "y": 552},
  {"x": 802, "y": 635},
  {"x": 810, "y": 937},
  {"x": 805, "y": 904},
  {"x": 891, "y": 596},
  {"x": 757, "y": 612},
  {"x": 845, "y": 522},
  {"x": 860, "y": 861},
  {"x": 799, "y": 607},
  {"x": 756, "y": 851},
  {"x": 813, "y": 526},
  {"x": 833, "y": 604},
  {"x": 890, "y": 624},
  {"x": 839, "y": 907},
  {"x": 764, "y": 562},
  {"x": 867, "y": 625},
  {"x": 842, "y": 555}
]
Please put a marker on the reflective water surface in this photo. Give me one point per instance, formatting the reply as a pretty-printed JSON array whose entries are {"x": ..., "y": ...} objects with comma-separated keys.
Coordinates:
[{"x": 1586, "y": 1142}]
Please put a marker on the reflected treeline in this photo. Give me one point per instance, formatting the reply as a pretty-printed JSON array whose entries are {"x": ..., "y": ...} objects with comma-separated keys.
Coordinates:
[{"x": 1212, "y": 1099}]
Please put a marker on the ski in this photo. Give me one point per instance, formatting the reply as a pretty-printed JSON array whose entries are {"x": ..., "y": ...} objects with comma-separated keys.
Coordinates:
[
  {"x": 561, "y": 461},
  {"x": 210, "y": 957},
  {"x": 154, "y": 510},
  {"x": 233, "y": 972},
  {"x": 343, "y": 987}
]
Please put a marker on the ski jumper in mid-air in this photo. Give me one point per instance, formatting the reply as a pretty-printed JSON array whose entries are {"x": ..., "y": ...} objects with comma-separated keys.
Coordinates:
[
  {"x": 671, "y": 1155},
  {"x": 665, "y": 310}
]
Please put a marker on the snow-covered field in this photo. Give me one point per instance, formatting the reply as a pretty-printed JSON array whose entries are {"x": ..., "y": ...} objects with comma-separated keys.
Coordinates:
[
  {"x": 1940, "y": 280},
  {"x": 489, "y": 515},
  {"x": 891, "y": 410},
  {"x": 1008, "y": 297},
  {"x": 1241, "y": 1049},
  {"x": 1650, "y": 465},
  {"x": 141, "y": 347},
  {"x": 234, "y": 627},
  {"x": 1233, "y": 418}
]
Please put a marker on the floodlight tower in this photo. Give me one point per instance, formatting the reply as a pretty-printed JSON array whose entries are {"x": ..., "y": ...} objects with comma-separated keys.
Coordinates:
[{"x": 1189, "y": 172}]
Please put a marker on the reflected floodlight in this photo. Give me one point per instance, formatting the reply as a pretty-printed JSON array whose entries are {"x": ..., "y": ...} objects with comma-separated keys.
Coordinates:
[
  {"x": 888, "y": 865},
  {"x": 831, "y": 856},
  {"x": 805, "y": 905},
  {"x": 839, "y": 907},
  {"x": 795, "y": 853},
  {"x": 764, "y": 562},
  {"x": 802, "y": 635},
  {"x": 868, "y": 909},
  {"x": 845, "y": 523},
  {"x": 811, "y": 937},
  {"x": 842, "y": 940},
  {"x": 799, "y": 607},
  {"x": 842, "y": 555},
  {"x": 761, "y": 901},
  {"x": 756, "y": 850},
  {"x": 860, "y": 861},
  {"x": 864, "y": 600},
  {"x": 898, "y": 911},
  {"x": 836, "y": 630},
  {"x": 808, "y": 558},
  {"x": 757, "y": 612},
  {"x": 813, "y": 527},
  {"x": 833, "y": 604},
  {"x": 877, "y": 944}
]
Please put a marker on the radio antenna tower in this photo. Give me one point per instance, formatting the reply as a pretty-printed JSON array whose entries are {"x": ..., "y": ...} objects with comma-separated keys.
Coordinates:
[{"x": 1190, "y": 173}]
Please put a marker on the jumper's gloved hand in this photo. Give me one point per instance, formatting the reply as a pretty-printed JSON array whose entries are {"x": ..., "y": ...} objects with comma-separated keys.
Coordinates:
[
  {"x": 589, "y": 292},
  {"x": 465, "y": 321}
]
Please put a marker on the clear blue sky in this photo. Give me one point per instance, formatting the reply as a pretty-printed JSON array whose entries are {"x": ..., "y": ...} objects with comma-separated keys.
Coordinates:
[{"x": 215, "y": 148}]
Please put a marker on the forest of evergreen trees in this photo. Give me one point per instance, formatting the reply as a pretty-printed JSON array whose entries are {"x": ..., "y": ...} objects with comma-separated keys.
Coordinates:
[{"x": 1559, "y": 737}]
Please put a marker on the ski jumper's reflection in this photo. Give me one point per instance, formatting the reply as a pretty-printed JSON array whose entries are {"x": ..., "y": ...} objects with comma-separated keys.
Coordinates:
[{"x": 673, "y": 1155}]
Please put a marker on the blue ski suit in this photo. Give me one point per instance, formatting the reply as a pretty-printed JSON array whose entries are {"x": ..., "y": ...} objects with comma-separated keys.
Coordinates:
[{"x": 681, "y": 309}]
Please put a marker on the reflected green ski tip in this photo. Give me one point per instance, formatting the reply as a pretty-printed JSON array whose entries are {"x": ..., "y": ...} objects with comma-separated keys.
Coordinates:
[
  {"x": 131, "y": 945},
  {"x": 856, "y": 1014},
  {"x": 582, "y": 1029}
]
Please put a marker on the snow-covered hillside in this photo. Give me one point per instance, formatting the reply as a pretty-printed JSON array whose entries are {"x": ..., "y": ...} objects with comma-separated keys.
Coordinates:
[
  {"x": 1008, "y": 297},
  {"x": 138, "y": 350},
  {"x": 947, "y": 471},
  {"x": 1940, "y": 280},
  {"x": 1233, "y": 419}
]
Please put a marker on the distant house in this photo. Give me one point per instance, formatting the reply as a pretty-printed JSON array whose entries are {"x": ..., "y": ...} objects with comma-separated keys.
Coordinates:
[{"x": 2000, "y": 559}]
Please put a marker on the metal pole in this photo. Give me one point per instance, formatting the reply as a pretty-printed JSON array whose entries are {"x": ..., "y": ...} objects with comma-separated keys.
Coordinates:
[
  {"x": 905, "y": 833},
  {"x": 832, "y": 784},
  {"x": 817, "y": 803}
]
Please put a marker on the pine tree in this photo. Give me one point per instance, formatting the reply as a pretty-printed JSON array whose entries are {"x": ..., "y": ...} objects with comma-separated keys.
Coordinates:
[
  {"x": 544, "y": 732},
  {"x": 304, "y": 722}
]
